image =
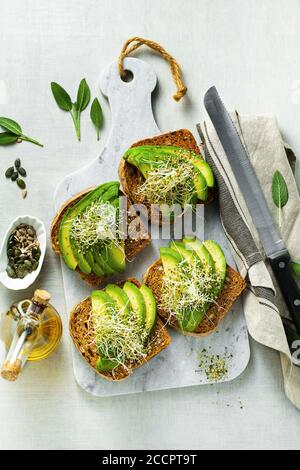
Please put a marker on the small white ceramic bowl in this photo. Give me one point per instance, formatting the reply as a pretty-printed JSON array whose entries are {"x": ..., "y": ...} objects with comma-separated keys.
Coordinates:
[{"x": 19, "y": 284}]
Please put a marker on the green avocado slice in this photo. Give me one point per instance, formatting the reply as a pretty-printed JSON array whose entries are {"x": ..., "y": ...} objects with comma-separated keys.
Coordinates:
[
  {"x": 219, "y": 259},
  {"x": 120, "y": 297},
  {"x": 104, "y": 365},
  {"x": 96, "y": 268},
  {"x": 64, "y": 237},
  {"x": 150, "y": 304},
  {"x": 180, "y": 248},
  {"x": 193, "y": 243},
  {"x": 114, "y": 256},
  {"x": 108, "y": 271},
  {"x": 136, "y": 300}
]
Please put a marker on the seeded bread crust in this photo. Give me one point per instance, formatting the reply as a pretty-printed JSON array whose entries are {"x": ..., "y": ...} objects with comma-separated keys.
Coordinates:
[
  {"x": 233, "y": 287},
  {"x": 131, "y": 178},
  {"x": 82, "y": 335},
  {"x": 132, "y": 246}
]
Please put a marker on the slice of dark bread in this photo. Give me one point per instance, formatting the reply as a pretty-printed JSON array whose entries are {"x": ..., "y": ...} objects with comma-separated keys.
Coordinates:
[
  {"x": 131, "y": 178},
  {"x": 82, "y": 336},
  {"x": 233, "y": 287},
  {"x": 132, "y": 246}
]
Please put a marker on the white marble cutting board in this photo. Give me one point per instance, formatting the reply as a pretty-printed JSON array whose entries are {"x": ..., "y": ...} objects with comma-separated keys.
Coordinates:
[{"x": 177, "y": 366}]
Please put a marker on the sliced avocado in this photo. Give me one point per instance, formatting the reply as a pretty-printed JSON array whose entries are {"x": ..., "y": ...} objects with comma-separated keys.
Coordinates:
[
  {"x": 104, "y": 365},
  {"x": 118, "y": 295},
  {"x": 194, "y": 318},
  {"x": 114, "y": 256},
  {"x": 100, "y": 301},
  {"x": 108, "y": 190},
  {"x": 108, "y": 271},
  {"x": 136, "y": 300},
  {"x": 150, "y": 303},
  {"x": 82, "y": 262},
  {"x": 180, "y": 248},
  {"x": 200, "y": 185},
  {"x": 170, "y": 258},
  {"x": 219, "y": 258},
  {"x": 96, "y": 268},
  {"x": 195, "y": 244},
  {"x": 205, "y": 169}
]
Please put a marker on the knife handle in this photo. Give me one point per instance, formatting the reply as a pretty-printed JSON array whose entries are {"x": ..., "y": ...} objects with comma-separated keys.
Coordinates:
[{"x": 288, "y": 286}]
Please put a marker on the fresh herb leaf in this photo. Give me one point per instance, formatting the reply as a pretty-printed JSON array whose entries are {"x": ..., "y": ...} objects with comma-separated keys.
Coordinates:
[
  {"x": 280, "y": 193},
  {"x": 11, "y": 126},
  {"x": 7, "y": 138},
  {"x": 96, "y": 116},
  {"x": 64, "y": 101},
  {"x": 83, "y": 95},
  {"x": 296, "y": 269},
  {"x": 61, "y": 97},
  {"x": 14, "y": 133}
]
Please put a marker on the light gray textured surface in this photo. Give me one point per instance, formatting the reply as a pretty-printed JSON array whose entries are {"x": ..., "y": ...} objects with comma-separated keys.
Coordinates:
[{"x": 249, "y": 50}]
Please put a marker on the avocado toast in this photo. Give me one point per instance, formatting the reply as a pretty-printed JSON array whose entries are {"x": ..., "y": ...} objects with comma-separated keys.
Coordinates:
[
  {"x": 193, "y": 286},
  {"x": 85, "y": 233},
  {"x": 117, "y": 330},
  {"x": 166, "y": 169}
]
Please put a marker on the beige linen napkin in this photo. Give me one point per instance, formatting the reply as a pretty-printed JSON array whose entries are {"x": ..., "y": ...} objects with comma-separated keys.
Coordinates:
[{"x": 263, "y": 303}]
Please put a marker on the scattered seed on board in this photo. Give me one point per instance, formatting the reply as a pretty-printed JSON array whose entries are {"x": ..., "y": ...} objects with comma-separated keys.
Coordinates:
[
  {"x": 17, "y": 163},
  {"x": 21, "y": 183},
  {"x": 24, "y": 193},
  {"x": 9, "y": 172}
]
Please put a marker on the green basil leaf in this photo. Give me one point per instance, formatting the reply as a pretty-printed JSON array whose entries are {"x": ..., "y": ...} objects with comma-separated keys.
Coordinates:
[
  {"x": 280, "y": 191},
  {"x": 83, "y": 95},
  {"x": 10, "y": 125},
  {"x": 61, "y": 97},
  {"x": 7, "y": 138},
  {"x": 296, "y": 269},
  {"x": 96, "y": 116}
]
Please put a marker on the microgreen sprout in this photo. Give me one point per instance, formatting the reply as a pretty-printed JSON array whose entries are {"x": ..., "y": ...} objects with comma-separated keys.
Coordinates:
[
  {"x": 96, "y": 226},
  {"x": 189, "y": 286},
  {"x": 119, "y": 336},
  {"x": 169, "y": 181}
]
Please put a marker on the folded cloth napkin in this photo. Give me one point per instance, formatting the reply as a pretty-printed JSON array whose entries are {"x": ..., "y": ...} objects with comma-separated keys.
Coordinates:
[{"x": 263, "y": 303}]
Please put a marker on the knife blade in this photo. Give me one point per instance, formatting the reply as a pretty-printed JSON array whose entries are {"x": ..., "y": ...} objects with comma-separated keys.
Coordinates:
[{"x": 273, "y": 245}]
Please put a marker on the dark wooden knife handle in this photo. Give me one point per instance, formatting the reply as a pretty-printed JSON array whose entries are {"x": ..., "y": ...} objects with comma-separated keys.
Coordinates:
[{"x": 288, "y": 286}]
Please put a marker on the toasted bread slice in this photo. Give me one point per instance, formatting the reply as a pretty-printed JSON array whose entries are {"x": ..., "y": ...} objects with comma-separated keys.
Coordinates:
[
  {"x": 131, "y": 178},
  {"x": 233, "y": 287},
  {"x": 79, "y": 329},
  {"x": 132, "y": 246}
]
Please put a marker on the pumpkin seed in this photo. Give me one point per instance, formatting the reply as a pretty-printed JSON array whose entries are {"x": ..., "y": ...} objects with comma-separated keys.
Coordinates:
[
  {"x": 21, "y": 183},
  {"x": 27, "y": 263},
  {"x": 14, "y": 176},
  {"x": 10, "y": 251},
  {"x": 9, "y": 172},
  {"x": 11, "y": 272},
  {"x": 34, "y": 265},
  {"x": 22, "y": 171},
  {"x": 17, "y": 163},
  {"x": 24, "y": 193}
]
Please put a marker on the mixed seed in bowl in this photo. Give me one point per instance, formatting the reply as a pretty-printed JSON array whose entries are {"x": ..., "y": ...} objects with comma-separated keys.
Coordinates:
[{"x": 23, "y": 251}]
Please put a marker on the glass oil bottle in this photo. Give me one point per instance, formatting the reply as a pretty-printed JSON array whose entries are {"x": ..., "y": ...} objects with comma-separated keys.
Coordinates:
[{"x": 30, "y": 330}]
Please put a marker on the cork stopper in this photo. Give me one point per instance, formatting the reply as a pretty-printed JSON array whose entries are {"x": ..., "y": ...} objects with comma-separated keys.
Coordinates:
[
  {"x": 41, "y": 297},
  {"x": 10, "y": 371}
]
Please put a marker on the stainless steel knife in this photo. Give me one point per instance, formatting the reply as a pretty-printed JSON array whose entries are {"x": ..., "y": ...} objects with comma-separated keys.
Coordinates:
[{"x": 270, "y": 237}]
